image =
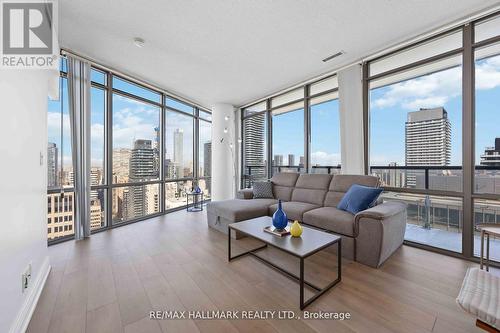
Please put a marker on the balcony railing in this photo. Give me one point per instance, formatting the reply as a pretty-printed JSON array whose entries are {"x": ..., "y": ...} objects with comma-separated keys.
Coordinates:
[
  {"x": 252, "y": 173},
  {"x": 439, "y": 178}
]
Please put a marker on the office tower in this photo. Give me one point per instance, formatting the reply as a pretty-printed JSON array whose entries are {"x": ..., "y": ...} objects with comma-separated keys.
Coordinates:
[
  {"x": 171, "y": 169},
  {"x": 59, "y": 215},
  {"x": 52, "y": 165},
  {"x": 121, "y": 165},
  {"x": 95, "y": 179},
  {"x": 491, "y": 155},
  {"x": 207, "y": 159},
  {"x": 291, "y": 159},
  {"x": 427, "y": 140},
  {"x": 278, "y": 160},
  {"x": 301, "y": 161},
  {"x": 95, "y": 214},
  {"x": 156, "y": 151},
  {"x": 254, "y": 146},
  {"x": 142, "y": 168},
  {"x": 179, "y": 151}
]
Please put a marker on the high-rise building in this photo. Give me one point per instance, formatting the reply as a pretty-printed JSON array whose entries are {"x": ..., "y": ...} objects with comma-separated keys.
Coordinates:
[
  {"x": 278, "y": 160},
  {"x": 142, "y": 168},
  {"x": 95, "y": 179},
  {"x": 95, "y": 214},
  {"x": 121, "y": 165},
  {"x": 254, "y": 146},
  {"x": 60, "y": 215},
  {"x": 427, "y": 140},
  {"x": 302, "y": 162},
  {"x": 207, "y": 159},
  {"x": 156, "y": 151},
  {"x": 52, "y": 165},
  {"x": 179, "y": 151},
  {"x": 491, "y": 155},
  {"x": 291, "y": 159}
]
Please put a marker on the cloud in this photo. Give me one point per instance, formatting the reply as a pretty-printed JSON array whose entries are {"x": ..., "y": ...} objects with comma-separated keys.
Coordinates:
[
  {"x": 437, "y": 89},
  {"x": 429, "y": 102},
  {"x": 324, "y": 158}
]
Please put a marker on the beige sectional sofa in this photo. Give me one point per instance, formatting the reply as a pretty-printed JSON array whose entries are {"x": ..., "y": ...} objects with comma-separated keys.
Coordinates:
[{"x": 368, "y": 237}]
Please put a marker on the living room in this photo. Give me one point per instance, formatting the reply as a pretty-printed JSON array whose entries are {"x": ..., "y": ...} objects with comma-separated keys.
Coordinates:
[{"x": 242, "y": 166}]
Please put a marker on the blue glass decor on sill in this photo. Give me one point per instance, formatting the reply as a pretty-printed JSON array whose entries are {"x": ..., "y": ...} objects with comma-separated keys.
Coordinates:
[
  {"x": 197, "y": 189},
  {"x": 280, "y": 221}
]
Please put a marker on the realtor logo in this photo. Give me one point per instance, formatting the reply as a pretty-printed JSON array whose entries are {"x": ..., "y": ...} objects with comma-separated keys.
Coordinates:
[{"x": 27, "y": 34}]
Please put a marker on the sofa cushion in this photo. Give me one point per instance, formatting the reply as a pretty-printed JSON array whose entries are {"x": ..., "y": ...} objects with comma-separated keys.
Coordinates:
[
  {"x": 315, "y": 197},
  {"x": 239, "y": 209},
  {"x": 341, "y": 184},
  {"x": 311, "y": 188},
  {"x": 293, "y": 210},
  {"x": 283, "y": 193},
  {"x": 359, "y": 198},
  {"x": 332, "y": 219},
  {"x": 314, "y": 181},
  {"x": 285, "y": 179},
  {"x": 283, "y": 185},
  {"x": 263, "y": 190}
]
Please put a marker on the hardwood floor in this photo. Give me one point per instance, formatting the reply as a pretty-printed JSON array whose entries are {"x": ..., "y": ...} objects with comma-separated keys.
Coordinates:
[{"x": 112, "y": 281}]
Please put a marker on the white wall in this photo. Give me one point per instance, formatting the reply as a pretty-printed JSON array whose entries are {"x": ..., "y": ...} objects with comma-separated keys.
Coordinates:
[
  {"x": 351, "y": 119},
  {"x": 223, "y": 160},
  {"x": 23, "y": 200}
]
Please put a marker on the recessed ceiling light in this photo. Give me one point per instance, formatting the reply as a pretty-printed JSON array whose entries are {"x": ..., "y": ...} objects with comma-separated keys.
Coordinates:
[
  {"x": 139, "y": 42},
  {"x": 338, "y": 54}
]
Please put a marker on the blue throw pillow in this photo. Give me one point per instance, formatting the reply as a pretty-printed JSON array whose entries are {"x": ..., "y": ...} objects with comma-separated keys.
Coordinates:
[{"x": 358, "y": 198}]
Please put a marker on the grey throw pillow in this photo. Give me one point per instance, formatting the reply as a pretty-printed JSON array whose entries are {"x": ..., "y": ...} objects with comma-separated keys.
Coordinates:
[{"x": 263, "y": 190}]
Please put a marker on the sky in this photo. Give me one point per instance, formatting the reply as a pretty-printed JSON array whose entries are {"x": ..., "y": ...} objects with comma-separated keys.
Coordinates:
[
  {"x": 131, "y": 120},
  {"x": 288, "y": 134},
  {"x": 389, "y": 106}
]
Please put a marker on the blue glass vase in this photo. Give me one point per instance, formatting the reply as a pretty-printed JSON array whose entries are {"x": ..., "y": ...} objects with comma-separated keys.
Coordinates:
[{"x": 280, "y": 221}]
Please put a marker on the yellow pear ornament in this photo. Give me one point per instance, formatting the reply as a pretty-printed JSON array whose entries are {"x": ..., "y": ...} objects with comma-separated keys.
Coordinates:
[{"x": 296, "y": 229}]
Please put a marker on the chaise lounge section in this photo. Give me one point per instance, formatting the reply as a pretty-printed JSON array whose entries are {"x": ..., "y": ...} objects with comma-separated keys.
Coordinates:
[{"x": 368, "y": 237}]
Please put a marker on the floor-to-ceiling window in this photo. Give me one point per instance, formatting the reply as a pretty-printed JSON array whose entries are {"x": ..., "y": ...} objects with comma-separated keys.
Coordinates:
[
  {"x": 98, "y": 177},
  {"x": 325, "y": 127},
  {"x": 433, "y": 136},
  {"x": 297, "y": 131},
  {"x": 60, "y": 195},
  {"x": 147, "y": 150},
  {"x": 136, "y": 151},
  {"x": 205, "y": 153},
  {"x": 179, "y": 148},
  {"x": 254, "y": 144},
  {"x": 487, "y": 130},
  {"x": 415, "y": 136}
]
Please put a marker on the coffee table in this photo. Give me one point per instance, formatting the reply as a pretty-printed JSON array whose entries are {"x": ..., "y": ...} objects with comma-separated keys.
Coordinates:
[{"x": 309, "y": 243}]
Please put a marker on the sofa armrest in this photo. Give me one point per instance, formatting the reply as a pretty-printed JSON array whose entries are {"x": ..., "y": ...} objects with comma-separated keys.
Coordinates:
[
  {"x": 246, "y": 193},
  {"x": 379, "y": 232},
  {"x": 382, "y": 211}
]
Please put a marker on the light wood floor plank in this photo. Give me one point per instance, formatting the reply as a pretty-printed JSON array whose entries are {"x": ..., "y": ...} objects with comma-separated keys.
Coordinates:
[{"x": 111, "y": 282}]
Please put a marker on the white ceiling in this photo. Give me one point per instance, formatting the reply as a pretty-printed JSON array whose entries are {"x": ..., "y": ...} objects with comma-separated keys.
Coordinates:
[{"x": 235, "y": 51}]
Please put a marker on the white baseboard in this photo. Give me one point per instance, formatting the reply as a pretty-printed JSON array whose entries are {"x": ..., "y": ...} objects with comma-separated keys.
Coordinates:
[{"x": 24, "y": 315}]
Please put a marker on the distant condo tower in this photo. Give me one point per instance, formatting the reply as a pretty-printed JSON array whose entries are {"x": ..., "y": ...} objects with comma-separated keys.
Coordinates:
[
  {"x": 254, "y": 146},
  {"x": 491, "y": 155},
  {"x": 179, "y": 151},
  {"x": 427, "y": 140},
  {"x": 52, "y": 165}
]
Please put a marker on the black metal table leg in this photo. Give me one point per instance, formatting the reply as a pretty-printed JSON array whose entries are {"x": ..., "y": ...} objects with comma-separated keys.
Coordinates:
[
  {"x": 301, "y": 282},
  {"x": 229, "y": 258},
  {"x": 304, "y": 304}
]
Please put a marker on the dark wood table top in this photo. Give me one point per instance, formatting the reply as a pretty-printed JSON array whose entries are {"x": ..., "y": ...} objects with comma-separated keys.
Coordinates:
[{"x": 310, "y": 242}]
